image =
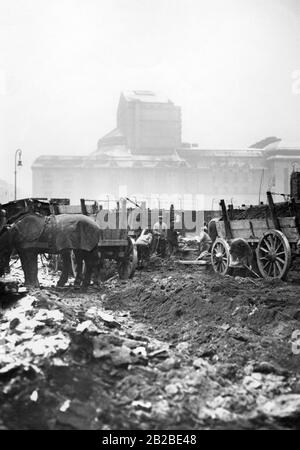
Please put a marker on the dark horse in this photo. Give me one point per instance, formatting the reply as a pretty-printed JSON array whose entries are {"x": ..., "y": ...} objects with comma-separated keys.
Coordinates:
[{"x": 32, "y": 234}]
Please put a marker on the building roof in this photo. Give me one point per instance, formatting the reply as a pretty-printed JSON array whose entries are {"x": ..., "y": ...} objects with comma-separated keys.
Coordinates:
[
  {"x": 117, "y": 156},
  {"x": 58, "y": 161},
  {"x": 198, "y": 153},
  {"x": 114, "y": 138},
  {"x": 284, "y": 157},
  {"x": 145, "y": 97},
  {"x": 116, "y": 133},
  {"x": 121, "y": 156},
  {"x": 269, "y": 141}
]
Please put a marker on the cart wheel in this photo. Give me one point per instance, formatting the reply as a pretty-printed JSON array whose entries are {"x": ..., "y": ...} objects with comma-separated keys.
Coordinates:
[
  {"x": 220, "y": 257},
  {"x": 273, "y": 255},
  {"x": 128, "y": 264}
]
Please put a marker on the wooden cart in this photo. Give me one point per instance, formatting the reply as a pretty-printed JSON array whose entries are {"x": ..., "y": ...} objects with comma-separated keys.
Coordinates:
[
  {"x": 272, "y": 232},
  {"x": 114, "y": 243}
]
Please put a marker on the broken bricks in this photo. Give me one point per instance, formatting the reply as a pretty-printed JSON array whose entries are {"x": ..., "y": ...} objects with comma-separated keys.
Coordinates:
[
  {"x": 94, "y": 313},
  {"x": 144, "y": 378},
  {"x": 9, "y": 285},
  {"x": 282, "y": 407}
]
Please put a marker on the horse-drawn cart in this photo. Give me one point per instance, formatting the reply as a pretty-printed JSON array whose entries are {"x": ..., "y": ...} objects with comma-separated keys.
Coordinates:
[
  {"x": 271, "y": 231},
  {"x": 115, "y": 242}
]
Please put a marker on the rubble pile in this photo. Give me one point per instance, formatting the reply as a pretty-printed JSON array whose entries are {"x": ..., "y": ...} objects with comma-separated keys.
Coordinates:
[
  {"x": 262, "y": 211},
  {"x": 173, "y": 348}
]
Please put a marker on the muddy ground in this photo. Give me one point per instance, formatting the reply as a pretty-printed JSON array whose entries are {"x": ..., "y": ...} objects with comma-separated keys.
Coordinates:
[{"x": 177, "y": 347}]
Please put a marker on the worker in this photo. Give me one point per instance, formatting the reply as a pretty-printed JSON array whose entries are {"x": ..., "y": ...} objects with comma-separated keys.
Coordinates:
[
  {"x": 241, "y": 253},
  {"x": 160, "y": 230},
  {"x": 143, "y": 244},
  {"x": 212, "y": 229},
  {"x": 205, "y": 244}
]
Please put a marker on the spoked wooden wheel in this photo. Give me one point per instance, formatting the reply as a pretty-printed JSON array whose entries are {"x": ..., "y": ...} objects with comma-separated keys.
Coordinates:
[
  {"x": 127, "y": 265},
  {"x": 220, "y": 257},
  {"x": 273, "y": 255}
]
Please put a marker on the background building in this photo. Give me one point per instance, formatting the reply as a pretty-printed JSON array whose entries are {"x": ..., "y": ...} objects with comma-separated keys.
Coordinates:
[
  {"x": 6, "y": 191},
  {"x": 144, "y": 158}
]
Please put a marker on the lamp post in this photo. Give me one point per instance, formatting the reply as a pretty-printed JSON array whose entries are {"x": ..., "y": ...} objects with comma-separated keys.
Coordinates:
[{"x": 18, "y": 154}]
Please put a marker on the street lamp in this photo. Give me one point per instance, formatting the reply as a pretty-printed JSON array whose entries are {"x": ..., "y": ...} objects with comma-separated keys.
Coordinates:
[{"x": 18, "y": 154}]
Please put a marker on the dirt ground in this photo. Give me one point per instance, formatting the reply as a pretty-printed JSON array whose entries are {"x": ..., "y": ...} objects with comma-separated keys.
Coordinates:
[{"x": 177, "y": 347}]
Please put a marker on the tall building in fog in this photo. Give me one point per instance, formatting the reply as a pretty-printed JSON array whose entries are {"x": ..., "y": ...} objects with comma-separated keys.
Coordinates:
[
  {"x": 150, "y": 123},
  {"x": 144, "y": 158}
]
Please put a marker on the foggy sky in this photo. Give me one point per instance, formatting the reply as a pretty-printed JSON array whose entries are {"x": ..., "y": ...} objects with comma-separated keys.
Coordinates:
[{"x": 63, "y": 63}]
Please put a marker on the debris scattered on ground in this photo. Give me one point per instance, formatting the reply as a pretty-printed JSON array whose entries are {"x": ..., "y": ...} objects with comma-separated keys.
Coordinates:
[
  {"x": 9, "y": 285},
  {"x": 175, "y": 347}
]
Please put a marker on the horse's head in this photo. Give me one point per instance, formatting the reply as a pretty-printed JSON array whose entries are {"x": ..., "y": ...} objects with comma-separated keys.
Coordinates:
[{"x": 5, "y": 249}]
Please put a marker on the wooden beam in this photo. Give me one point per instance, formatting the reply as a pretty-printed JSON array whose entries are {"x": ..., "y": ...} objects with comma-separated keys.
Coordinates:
[
  {"x": 294, "y": 212},
  {"x": 83, "y": 207},
  {"x": 273, "y": 212},
  {"x": 226, "y": 220}
]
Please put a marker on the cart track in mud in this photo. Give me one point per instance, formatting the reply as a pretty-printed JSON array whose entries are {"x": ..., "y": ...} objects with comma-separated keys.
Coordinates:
[{"x": 173, "y": 348}]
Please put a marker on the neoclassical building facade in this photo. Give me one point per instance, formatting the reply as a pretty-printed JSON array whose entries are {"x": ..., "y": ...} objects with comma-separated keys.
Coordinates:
[{"x": 144, "y": 158}]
